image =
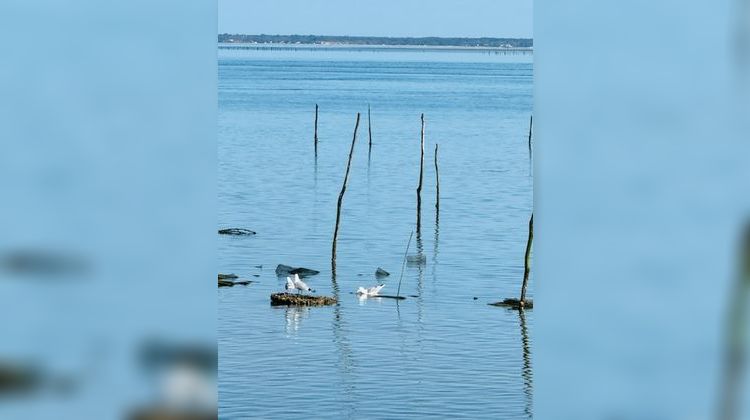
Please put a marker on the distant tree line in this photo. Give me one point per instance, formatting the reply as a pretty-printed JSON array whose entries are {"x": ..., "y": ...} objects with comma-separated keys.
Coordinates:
[{"x": 374, "y": 40}]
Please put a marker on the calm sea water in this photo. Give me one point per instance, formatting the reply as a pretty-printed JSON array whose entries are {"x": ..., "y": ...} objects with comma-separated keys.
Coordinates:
[{"x": 439, "y": 353}]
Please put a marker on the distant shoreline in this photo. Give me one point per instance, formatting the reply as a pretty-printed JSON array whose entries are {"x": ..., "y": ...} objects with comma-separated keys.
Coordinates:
[
  {"x": 368, "y": 41},
  {"x": 372, "y": 48}
]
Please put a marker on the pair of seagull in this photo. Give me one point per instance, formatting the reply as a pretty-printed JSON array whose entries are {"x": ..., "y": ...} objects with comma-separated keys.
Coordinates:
[{"x": 296, "y": 283}]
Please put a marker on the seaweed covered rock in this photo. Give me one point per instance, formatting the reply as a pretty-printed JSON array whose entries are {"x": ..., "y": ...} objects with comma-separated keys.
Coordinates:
[
  {"x": 514, "y": 303},
  {"x": 223, "y": 276},
  {"x": 286, "y": 270},
  {"x": 236, "y": 232},
  {"x": 291, "y": 299},
  {"x": 381, "y": 273}
]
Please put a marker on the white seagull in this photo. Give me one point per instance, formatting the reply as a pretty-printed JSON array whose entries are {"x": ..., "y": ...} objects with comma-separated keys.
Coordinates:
[
  {"x": 289, "y": 285},
  {"x": 370, "y": 291},
  {"x": 300, "y": 285}
]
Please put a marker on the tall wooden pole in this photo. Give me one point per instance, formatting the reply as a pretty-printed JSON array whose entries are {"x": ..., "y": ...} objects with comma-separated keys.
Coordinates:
[
  {"x": 369, "y": 126},
  {"x": 341, "y": 195},
  {"x": 531, "y": 122},
  {"x": 419, "y": 187},
  {"x": 316, "y": 130},
  {"x": 527, "y": 262},
  {"x": 437, "y": 182}
]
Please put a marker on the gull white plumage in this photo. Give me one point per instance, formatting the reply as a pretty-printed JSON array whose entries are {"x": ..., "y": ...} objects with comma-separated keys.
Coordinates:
[
  {"x": 375, "y": 290},
  {"x": 370, "y": 291},
  {"x": 289, "y": 285},
  {"x": 301, "y": 285}
]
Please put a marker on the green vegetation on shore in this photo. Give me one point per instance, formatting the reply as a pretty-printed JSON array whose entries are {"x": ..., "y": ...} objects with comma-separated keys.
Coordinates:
[{"x": 374, "y": 40}]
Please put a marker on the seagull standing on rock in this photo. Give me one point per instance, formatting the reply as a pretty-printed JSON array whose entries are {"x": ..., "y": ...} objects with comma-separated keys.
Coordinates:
[
  {"x": 289, "y": 285},
  {"x": 300, "y": 285}
]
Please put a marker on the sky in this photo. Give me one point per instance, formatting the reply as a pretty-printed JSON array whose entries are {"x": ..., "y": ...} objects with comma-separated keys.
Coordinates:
[{"x": 411, "y": 18}]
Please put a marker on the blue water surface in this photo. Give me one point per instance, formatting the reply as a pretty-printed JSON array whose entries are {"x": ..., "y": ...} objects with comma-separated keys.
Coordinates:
[{"x": 441, "y": 352}]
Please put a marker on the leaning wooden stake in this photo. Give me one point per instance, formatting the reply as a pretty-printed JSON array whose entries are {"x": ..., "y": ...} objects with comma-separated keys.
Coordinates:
[
  {"x": 419, "y": 187},
  {"x": 522, "y": 303},
  {"x": 403, "y": 264},
  {"x": 526, "y": 262},
  {"x": 369, "y": 126},
  {"x": 341, "y": 194},
  {"x": 316, "y": 130},
  {"x": 437, "y": 182},
  {"x": 531, "y": 121}
]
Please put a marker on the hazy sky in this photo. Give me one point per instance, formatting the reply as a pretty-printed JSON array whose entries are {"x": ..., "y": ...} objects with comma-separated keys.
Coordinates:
[{"x": 463, "y": 18}]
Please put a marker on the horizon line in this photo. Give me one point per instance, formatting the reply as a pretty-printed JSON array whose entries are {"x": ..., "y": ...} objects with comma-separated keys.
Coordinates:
[{"x": 383, "y": 36}]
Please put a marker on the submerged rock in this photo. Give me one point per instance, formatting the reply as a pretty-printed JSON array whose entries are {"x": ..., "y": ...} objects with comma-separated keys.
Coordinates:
[
  {"x": 514, "y": 303},
  {"x": 291, "y": 299},
  {"x": 285, "y": 270},
  {"x": 381, "y": 273},
  {"x": 236, "y": 232},
  {"x": 223, "y": 276},
  {"x": 230, "y": 283}
]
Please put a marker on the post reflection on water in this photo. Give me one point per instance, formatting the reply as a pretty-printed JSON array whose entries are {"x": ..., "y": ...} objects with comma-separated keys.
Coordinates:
[{"x": 526, "y": 371}]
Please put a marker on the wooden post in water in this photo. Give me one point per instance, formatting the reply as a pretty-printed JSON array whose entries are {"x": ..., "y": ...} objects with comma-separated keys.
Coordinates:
[
  {"x": 522, "y": 303},
  {"x": 419, "y": 187},
  {"x": 369, "y": 126},
  {"x": 437, "y": 182},
  {"x": 527, "y": 262},
  {"x": 531, "y": 121},
  {"x": 316, "y": 130},
  {"x": 341, "y": 195}
]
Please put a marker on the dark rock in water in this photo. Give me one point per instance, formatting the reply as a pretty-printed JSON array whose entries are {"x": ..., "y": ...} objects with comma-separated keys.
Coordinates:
[
  {"x": 167, "y": 412},
  {"x": 230, "y": 283},
  {"x": 381, "y": 273},
  {"x": 514, "y": 303},
  {"x": 475, "y": 298},
  {"x": 256, "y": 275},
  {"x": 291, "y": 299},
  {"x": 285, "y": 270},
  {"x": 236, "y": 232},
  {"x": 418, "y": 259},
  {"x": 15, "y": 378},
  {"x": 282, "y": 270},
  {"x": 305, "y": 272},
  {"x": 227, "y": 276}
]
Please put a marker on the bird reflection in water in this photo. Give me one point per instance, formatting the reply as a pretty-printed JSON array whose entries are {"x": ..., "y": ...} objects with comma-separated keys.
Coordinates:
[{"x": 294, "y": 316}]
